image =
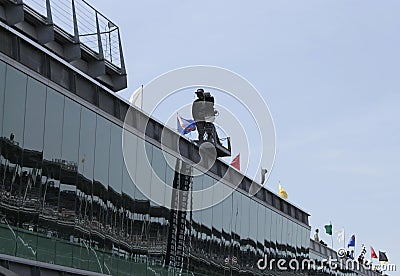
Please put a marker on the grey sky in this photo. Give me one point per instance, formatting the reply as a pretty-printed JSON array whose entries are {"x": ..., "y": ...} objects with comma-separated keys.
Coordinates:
[{"x": 329, "y": 72}]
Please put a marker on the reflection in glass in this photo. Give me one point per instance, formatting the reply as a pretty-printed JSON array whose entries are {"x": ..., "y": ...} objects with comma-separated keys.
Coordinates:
[
  {"x": 236, "y": 229},
  {"x": 227, "y": 219},
  {"x": 261, "y": 232},
  {"x": 82, "y": 253},
  {"x": 115, "y": 209},
  {"x": 245, "y": 232},
  {"x": 216, "y": 240},
  {"x": 31, "y": 169},
  {"x": 279, "y": 243},
  {"x": 68, "y": 177},
  {"x": 67, "y": 196},
  {"x": 100, "y": 190},
  {"x": 196, "y": 218},
  {"x": 274, "y": 253},
  {"x": 50, "y": 187},
  {"x": 3, "y": 70},
  {"x": 12, "y": 145},
  {"x": 267, "y": 233},
  {"x": 11, "y": 151},
  {"x": 253, "y": 226}
]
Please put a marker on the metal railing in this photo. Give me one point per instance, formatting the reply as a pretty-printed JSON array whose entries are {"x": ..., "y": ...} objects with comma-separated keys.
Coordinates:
[{"x": 84, "y": 24}]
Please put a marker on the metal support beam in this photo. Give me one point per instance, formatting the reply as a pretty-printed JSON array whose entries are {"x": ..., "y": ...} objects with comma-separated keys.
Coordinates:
[
  {"x": 15, "y": 12},
  {"x": 99, "y": 42},
  {"x": 73, "y": 51},
  {"x": 49, "y": 17},
  {"x": 75, "y": 22}
]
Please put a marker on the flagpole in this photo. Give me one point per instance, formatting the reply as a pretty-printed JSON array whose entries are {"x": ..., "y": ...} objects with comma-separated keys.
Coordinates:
[
  {"x": 141, "y": 99},
  {"x": 331, "y": 233},
  {"x": 344, "y": 238}
]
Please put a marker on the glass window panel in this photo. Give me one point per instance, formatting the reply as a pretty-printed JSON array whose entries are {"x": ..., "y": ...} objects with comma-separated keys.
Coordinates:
[
  {"x": 227, "y": 218},
  {"x": 245, "y": 231},
  {"x": 306, "y": 235},
  {"x": 12, "y": 146},
  {"x": 206, "y": 220},
  {"x": 284, "y": 236},
  {"x": 267, "y": 231},
  {"x": 159, "y": 163},
  {"x": 294, "y": 238},
  {"x": 260, "y": 231},
  {"x": 100, "y": 189},
  {"x": 143, "y": 178},
  {"x": 299, "y": 241},
  {"x": 236, "y": 227},
  {"x": 3, "y": 69},
  {"x": 128, "y": 198},
  {"x": 130, "y": 144},
  {"x": 114, "y": 201},
  {"x": 14, "y": 105},
  {"x": 279, "y": 234},
  {"x": 115, "y": 178},
  {"x": 71, "y": 126},
  {"x": 48, "y": 212},
  {"x": 169, "y": 179},
  {"x": 53, "y": 124},
  {"x": 141, "y": 208},
  {"x": 289, "y": 247},
  {"x": 68, "y": 177},
  {"x": 216, "y": 242},
  {"x": 113, "y": 235},
  {"x": 102, "y": 151},
  {"x": 159, "y": 167},
  {"x": 5, "y": 236},
  {"x": 169, "y": 176},
  {"x": 170, "y": 170},
  {"x": 142, "y": 187},
  {"x": 196, "y": 215},
  {"x": 157, "y": 242},
  {"x": 35, "y": 112},
  {"x": 128, "y": 186},
  {"x": 253, "y": 226},
  {"x": 273, "y": 234},
  {"x": 84, "y": 190},
  {"x": 31, "y": 168}
]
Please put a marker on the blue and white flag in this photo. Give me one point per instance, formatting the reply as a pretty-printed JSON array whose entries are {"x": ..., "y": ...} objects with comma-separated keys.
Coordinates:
[
  {"x": 352, "y": 241},
  {"x": 185, "y": 126}
]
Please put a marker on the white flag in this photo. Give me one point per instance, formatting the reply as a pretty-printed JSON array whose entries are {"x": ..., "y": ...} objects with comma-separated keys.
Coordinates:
[
  {"x": 137, "y": 98},
  {"x": 340, "y": 235}
]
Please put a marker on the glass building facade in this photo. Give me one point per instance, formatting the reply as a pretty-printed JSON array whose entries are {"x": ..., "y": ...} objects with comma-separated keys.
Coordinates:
[
  {"x": 325, "y": 261},
  {"x": 69, "y": 201},
  {"x": 67, "y": 197}
]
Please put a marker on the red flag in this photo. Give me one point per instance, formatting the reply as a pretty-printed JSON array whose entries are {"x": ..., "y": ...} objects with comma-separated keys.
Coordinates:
[
  {"x": 236, "y": 162},
  {"x": 373, "y": 254}
]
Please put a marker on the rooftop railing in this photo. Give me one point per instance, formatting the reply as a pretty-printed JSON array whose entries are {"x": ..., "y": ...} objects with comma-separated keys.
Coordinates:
[{"x": 84, "y": 24}]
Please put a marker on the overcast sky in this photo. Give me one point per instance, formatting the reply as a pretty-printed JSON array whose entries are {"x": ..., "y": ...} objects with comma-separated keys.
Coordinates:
[{"x": 329, "y": 71}]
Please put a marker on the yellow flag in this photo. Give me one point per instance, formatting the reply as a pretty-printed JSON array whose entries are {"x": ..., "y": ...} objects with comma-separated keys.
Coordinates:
[{"x": 282, "y": 192}]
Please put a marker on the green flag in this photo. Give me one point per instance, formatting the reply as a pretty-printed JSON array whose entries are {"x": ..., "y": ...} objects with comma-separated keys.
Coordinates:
[{"x": 328, "y": 229}]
